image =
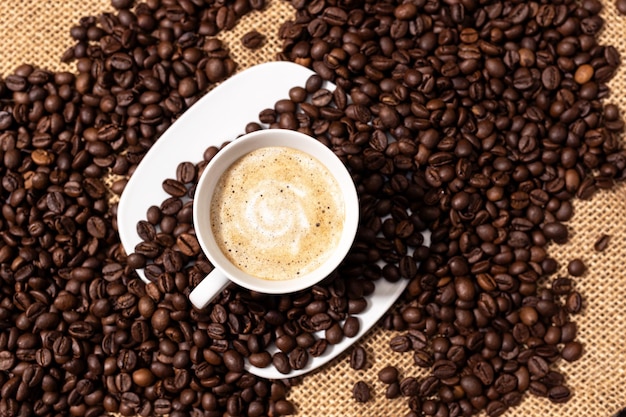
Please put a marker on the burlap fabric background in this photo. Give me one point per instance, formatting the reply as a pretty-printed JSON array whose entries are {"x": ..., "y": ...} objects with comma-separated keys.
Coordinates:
[{"x": 37, "y": 32}]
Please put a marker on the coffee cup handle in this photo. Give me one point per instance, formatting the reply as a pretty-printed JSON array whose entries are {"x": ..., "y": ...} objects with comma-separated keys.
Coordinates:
[{"x": 213, "y": 284}]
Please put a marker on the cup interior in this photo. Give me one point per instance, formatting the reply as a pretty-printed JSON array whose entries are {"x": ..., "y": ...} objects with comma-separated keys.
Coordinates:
[{"x": 231, "y": 153}]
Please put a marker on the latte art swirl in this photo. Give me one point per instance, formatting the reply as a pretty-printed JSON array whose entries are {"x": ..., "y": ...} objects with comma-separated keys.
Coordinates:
[
  {"x": 277, "y": 214},
  {"x": 275, "y": 211}
]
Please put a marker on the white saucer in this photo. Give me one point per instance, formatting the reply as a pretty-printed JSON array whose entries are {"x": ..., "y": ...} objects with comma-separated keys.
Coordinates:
[{"x": 221, "y": 116}]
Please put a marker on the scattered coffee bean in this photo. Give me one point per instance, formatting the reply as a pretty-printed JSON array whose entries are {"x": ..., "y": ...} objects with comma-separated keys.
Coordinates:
[
  {"x": 621, "y": 6},
  {"x": 358, "y": 358},
  {"x": 572, "y": 351},
  {"x": 361, "y": 392},
  {"x": 281, "y": 362},
  {"x": 559, "y": 394},
  {"x": 576, "y": 268},
  {"x": 602, "y": 243},
  {"x": 388, "y": 374},
  {"x": 253, "y": 39},
  {"x": 351, "y": 326},
  {"x": 393, "y": 390}
]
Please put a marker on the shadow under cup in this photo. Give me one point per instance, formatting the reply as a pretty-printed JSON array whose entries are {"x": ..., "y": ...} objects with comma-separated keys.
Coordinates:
[{"x": 209, "y": 179}]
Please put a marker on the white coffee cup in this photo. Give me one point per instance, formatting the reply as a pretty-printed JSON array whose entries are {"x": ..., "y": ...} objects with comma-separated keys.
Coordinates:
[{"x": 225, "y": 270}]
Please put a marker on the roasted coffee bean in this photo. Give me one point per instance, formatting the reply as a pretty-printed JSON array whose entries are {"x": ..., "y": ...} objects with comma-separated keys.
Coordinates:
[
  {"x": 572, "y": 351},
  {"x": 188, "y": 244},
  {"x": 393, "y": 390},
  {"x": 253, "y": 39},
  {"x": 298, "y": 358},
  {"x": 422, "y": 359},
  {"x": 358, "y": 358},
  {"x": 318, "y": 348},
  {"x": 233, "y": 361},
  {"x": 573, "y": 302},
  {"x": 260, "y": 359},
  {"x": 559, "y": 394},
  {"x": 496, "y": 408},
  {"x": 143, "y": 377},
  {"x": 334, "y": 334},
  {"x": 471, "y": 385},
  {"x": 388, "y": 374},
  {"x": 484, "y": 371},
  {"x": 285, "y": 343},
  {"x": 538, "y": 367},
  {"x": 281, "y": 362},
  {"x": 351, "y": 326},
  {"x": 400, "y": 344},
  {"x": 444, "y": 369},
  {"x": 174, "y": 188},
  {"x": 602, "y": 243},
  {"x": 7, "y": 360},
  {"x": 409, "y": 386},
  {"x": 361, "y": 392},
  {"x": 576, "y": 267},
  {"x": 186, "y": 172}
]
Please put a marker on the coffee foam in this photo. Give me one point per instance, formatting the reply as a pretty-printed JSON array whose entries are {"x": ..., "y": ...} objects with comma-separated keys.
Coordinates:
[{"x": 277, "y": 213}]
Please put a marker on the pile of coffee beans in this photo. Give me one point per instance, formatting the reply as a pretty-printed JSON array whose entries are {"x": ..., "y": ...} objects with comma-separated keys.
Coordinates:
[
  {"x": 477, "y": 120},
  {"x": 493, "y": 111},
  {"x": 80, "y": 333}
]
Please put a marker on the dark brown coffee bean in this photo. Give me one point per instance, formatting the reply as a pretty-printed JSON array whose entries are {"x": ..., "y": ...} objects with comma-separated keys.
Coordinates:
[
  {"x": 484, "y": 371},
  {"x": 444, "y": 368},
  {"x": 393, "y": 390},
  {"x": 358, "y": 358},
  {"x": 174, "y": 188},
  {"x": 602, "y": 243},
  {"x": 7, "y": 360},
  {"x": 576, "y": 268},
  {"x": 388, "y": 374},
  {"x": 559, "y": 394},
  {"x": 334, "y": 334},
  {"x": 422, "y": 359},
  {"x": 281, "y": 362},
  {"x": 471, "y": 385},
  {"x": 496, "y": 408},
  {"x": 573, "y": 302},
  {"x": 351, "y": 326},
  {"x": 361, "y": 392},
  {"x": 400, "y": 344},
  {"x": 253, "y": 39},
  {"x": 556, "y": 231},
  {"x": 143, "y": 377},
  {"x": 188, "y": 244},
  {"x": 285, "y": 343},
  {"x": 538, "y": 367},
  {"x": 409, "y": 387},
  {"x": 298, "y": 358},
  {"x": 318, "y": 348},
  {"x": 260, "y": 359},
  {"x": 572, "y": 351}
]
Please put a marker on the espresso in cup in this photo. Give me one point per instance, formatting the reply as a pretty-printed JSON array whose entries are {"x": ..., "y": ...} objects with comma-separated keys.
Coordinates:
[{"x": 277, "y": 213}]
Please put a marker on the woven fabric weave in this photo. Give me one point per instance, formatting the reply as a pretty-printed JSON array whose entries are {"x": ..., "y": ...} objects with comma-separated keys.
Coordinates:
[{"x": 37, "y": 32}]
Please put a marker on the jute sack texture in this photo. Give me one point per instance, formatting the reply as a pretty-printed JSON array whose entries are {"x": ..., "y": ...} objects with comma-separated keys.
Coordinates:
[{"x": 37, "y": 32}]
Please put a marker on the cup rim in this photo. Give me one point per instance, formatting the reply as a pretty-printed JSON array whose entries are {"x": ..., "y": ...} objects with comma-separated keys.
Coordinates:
[{"x": 235, "y": 150}]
